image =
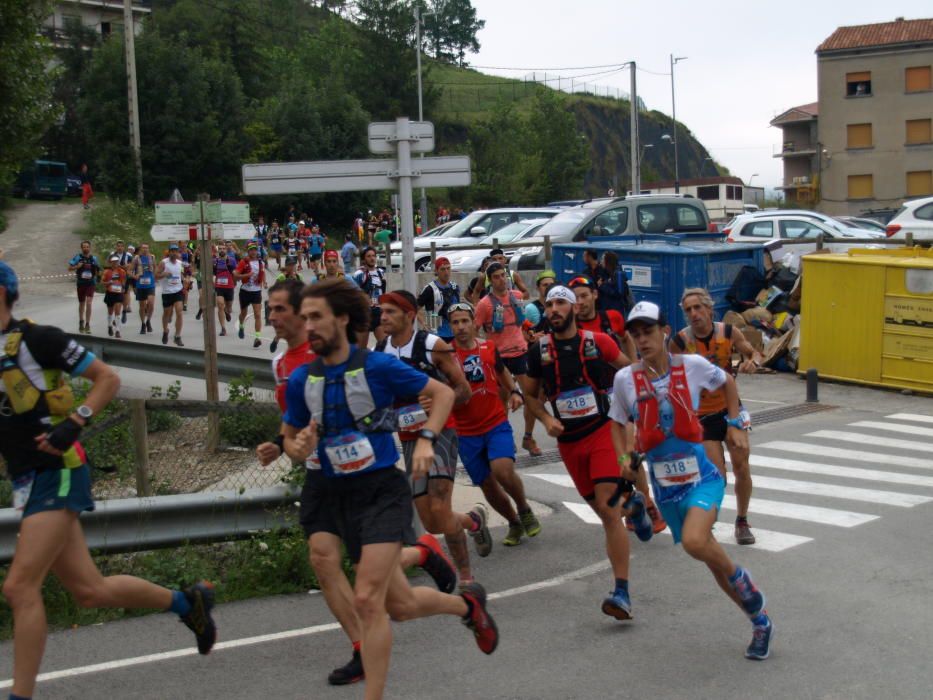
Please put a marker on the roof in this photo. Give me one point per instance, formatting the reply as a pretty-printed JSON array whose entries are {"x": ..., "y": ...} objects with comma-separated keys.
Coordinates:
[
  {"x": 800, "y": 113},
  {"x": 900, "y": 31},
  {"x": 695, "y": 182}
]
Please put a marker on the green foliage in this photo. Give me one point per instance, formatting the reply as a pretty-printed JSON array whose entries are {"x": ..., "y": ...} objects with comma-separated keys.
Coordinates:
[
  {"x": 159, "y": 420},
  {"x": 246, "y": 428},
  {"x": 111, "y": 220},
  {"x": 111, "y": 450},
  {"x": 26, "y": 105},
  {"x": 451, "y": 31}
]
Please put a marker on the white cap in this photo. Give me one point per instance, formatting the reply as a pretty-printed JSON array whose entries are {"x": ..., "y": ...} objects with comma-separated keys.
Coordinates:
[
  {"x": 559, "y": 291},
  {"x": 302, "y": 222},
  {"x": 645, "y": 311}
]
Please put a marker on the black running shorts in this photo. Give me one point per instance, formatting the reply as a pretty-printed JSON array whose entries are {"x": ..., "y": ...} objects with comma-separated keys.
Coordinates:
[
  {"x": 715, "y": 426},
  {"x": 314, "y": 513},
  {"x": 372, "y": 508}
]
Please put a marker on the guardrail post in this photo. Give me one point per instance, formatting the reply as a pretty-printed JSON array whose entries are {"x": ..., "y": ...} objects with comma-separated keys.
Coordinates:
[
  {"x": 547, "y": 252},
  {"x": 389, "y": 257},
  {"x": 909, "y": 239},
  {"x": 819, "y": 241},
  {"x": 139, "y": 426},
  {"x": 433, "y": 252}
]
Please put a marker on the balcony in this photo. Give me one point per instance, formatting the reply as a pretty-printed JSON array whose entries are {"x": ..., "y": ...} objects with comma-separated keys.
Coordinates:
[{"x": 794, "y": 149}]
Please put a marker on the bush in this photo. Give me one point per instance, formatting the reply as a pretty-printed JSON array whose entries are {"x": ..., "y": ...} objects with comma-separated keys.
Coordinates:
[
  {"x": 111, "y": 450},
  {"x": 112, "y": 220},
  {"x": 159, "y": 420},
  {"x": 247, "y": 428}
]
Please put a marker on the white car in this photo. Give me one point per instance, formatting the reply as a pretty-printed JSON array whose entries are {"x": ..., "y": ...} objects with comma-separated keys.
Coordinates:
[
  {"x": 436, "y": 231},
  {"x": 472, "y": 260},
  {"x": 916, "y": 217},
  {"x": 773, "y": 231},
  {"x": 834, "y": 224}
]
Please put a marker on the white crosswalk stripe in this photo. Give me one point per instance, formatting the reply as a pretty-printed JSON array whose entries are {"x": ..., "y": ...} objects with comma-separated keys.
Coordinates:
[
  {"x": 914, "y": 430},
  {"x": 920, "y": 418},
  {"x": 872, "y": 440},
  {"x": 767, "y": 540},
  {"x": 796, "y": 465},
  {"x": 808, "y": 448},
  {"x": 849, "y": 493}
]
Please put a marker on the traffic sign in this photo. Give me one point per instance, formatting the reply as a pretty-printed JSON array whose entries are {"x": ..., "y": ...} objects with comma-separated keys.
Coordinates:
[
  {"x": 179, "y": 232},
  {"x": 190, "y": 212},
  {"x": 382, "y": 137},
  {"x": 227, "y": 212},
  {"x": 176, "y": 212}
]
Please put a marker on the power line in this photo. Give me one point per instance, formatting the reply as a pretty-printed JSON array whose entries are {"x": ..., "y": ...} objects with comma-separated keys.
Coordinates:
[
  {"x": 558, "y": 79},
  {"x": 607, "y": 65}
]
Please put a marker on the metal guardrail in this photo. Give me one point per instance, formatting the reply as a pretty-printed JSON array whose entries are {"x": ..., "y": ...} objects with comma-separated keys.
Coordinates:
[
  {"x": 184, "y": 362},
  {"x": 139, "y": 524}
]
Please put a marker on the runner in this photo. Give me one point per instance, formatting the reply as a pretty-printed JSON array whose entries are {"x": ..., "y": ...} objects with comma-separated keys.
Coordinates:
[
  {"x": 372, "y": 280},
  {"x": 88, "y": 270},
  {"x": 262, "y": 231},
  {"x": 292, "y": 247},
  {"x": 343, "y": 417},
  {"x": 224, "y": 284},
  {"x": 39, "y": 431},
  {"x": 276, "y": 237},
  {"x": 575, "y": 370},
  {"x": 348, "y": 252},
  {"x": 660, "y": 394},
  {"x": 251, "y": 274},
  {"x": 716, "y": 342},
  {"x": 87, "y": 190},
  {"x": 331, "y": 266},
  {"x": 316, "y": 243},
  {"x": 437, "y": 297},
  {"x": 114, "y": 281},
  {"x": 171, "y": 271},
  {"x": 186, "y": 256},
  {"x": 501, "y": 315},
  {"x": 515, "y": 279},
  {"x": 142, "y": 269},
  {"x": 544, "y": 280},
  {"x": 432, "y": 493},
  {"x": 486, "y": 443},
  {"x": 124, "y": 255}
]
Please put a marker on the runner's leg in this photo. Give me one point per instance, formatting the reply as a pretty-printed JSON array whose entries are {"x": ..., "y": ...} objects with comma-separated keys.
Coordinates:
[
  {"x": 617, "y": 544},
  {"x": 326, "y": 560},
  {"x": 504, "y": 472},
  {"x": 496, "y": 497},
  {"x": 179, "y": 318},
  {"x": 714, "y": 452},
  {"x": 743, "y": 479},
  {"x": 698, "y": 541},
  {"x": 378, "y": 563}
]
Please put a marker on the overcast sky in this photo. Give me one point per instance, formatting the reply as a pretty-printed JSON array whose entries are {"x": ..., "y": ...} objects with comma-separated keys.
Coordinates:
[{"x": 746, "y": 61}]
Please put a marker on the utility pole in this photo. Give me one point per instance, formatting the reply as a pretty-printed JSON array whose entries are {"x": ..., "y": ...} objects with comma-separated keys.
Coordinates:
[
  {"x": 210, "y": 334},
  {"x": 132, "y": 98},
  {"x": 424, "y": 198},
  {"x": 407, "y": 234},
  {"x": 674, "y": 119},
  {"x": 635, "y": 153}
]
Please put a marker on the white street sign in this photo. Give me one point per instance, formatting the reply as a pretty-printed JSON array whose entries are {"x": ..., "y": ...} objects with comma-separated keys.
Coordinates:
[
  {"x": 178, "y": 232},
  {"x": 382, "y": 137},
  {"x": 236, "y": 231}
]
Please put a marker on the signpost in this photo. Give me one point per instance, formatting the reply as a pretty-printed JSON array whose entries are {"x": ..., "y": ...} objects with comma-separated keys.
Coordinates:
[{"x": 402, "y": 137}]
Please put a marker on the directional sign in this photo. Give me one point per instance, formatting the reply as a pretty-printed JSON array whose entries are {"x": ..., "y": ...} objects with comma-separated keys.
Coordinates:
[
  {"x": 352, "y": 175},
  {"x": 227, "y": 212},
  {"x": 176, "y": 212},
  {"x": 179, "y": 232},
  {"x": 382, "y": 137}
]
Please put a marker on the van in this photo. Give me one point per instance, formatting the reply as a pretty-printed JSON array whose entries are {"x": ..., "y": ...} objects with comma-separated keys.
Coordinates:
[{"x": 42, "y": 178}]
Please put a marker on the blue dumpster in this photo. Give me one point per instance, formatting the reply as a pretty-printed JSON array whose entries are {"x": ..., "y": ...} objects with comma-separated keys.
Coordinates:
[{"x": 660, "y": 268}]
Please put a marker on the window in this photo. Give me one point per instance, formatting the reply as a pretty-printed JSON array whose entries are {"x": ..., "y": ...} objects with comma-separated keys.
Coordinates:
[
  {"x": 918, "y": 79},
  {"x": 919, "y": 183},
  {"x": 71, "y": 22},
  {"x": 734, "y": 192},
  {"x": 759, "y": 229},
  {"x": 925, "y": 212},
  {"x": 861, "y": 187},
  {"x": 708, "y": 192},
  {"x": 858, "y": 136},
  {"x": 919, "y": 131},
  {"x": 858, "y": 84},
  {"x": 690, "y": 219},
  {"x": 797, "y": 228},
  {"x": 669, "y": 218},
  {"x": 611, "y": 223}
]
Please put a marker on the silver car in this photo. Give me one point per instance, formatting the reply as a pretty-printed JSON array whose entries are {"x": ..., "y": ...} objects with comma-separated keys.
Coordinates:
[{"x": 472, "y": 260}]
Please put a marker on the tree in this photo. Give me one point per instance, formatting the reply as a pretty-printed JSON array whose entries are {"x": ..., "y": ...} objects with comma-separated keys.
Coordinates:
[
  {"x": 27, "y": 108},
  {"x": 561, "y": 147},
  {"x": 453, "y": 28}
]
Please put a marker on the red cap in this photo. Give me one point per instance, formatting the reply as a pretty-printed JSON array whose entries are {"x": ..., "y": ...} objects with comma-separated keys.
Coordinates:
[
  {"x": 330, "y": 255},
  {"x": 397, "y": 300},
  {"x": 441, "y": 261}
]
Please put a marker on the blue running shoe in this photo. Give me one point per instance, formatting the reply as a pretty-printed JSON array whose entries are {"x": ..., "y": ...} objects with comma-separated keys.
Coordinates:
[
  {"x": 639, "y": 517},
  {"x": 760, "y": 647},
  {"x": 618, "y": 605},
  {"x": 753, "y": 600}
]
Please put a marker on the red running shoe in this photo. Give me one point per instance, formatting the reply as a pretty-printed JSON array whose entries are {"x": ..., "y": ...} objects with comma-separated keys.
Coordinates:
[
  {"x": 478, "y": 619},
  {"x": 437, "y": 565}
]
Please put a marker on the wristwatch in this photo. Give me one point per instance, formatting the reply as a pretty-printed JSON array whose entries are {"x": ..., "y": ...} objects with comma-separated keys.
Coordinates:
[
  {"x": 86, "y": 412},
  {"x": 737, "y": 422},
  {"x": 428, "y": 435}
]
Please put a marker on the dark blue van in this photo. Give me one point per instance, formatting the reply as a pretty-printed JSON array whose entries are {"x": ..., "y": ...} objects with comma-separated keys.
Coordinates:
[{"x": 42, "y": 178}]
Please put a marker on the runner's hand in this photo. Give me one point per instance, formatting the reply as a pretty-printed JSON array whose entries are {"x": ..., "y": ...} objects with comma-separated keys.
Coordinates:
[
  {"x": 306, "y": 440},
  {"x": 515, "y": 402},
  {"x": 749, "y": 367},
  {"x": 737, "y": 439},
  {"x": 554, "y": 427},
  {"x": 267, "y": 453},
  {"x": 422, "y": 459},
  {"x": 426, "y": 402}
]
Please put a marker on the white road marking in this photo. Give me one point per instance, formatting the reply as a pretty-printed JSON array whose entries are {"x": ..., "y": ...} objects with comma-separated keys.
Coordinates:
[
  {"x": 915, "y": 430},
  {"x": 776, "y": 403},
  {"x": 796, "y": 465},
  {"x": 856, "y": 455},
  {"x": 888, "y": 498},
  {"x": 584, "y": 512},
  {"x": 289, "y": 634},
  {"x": 559, "y": 479},
  {"x": 920, "y": 418},
  {"x": 767, "y": 540},
  {"x": 796, "y": 511},
  {"x": 872, "y": 440}
]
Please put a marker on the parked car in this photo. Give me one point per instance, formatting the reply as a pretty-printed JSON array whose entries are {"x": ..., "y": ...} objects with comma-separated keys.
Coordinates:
[
  {"x": 863, "y": 223},
  {"x": 472, "y": 260},
  {"x": 772, "y": 231},
  {"x": 657, "y": 214},
  {"x": 431, "y": 233},
  {"x": 42, "y": 178},
  {"x": 73, "y": 184},
  {"x": 916, "y": 217},
  {"x": 827, "y": 220},
  {"x": 469, "y": 230}
]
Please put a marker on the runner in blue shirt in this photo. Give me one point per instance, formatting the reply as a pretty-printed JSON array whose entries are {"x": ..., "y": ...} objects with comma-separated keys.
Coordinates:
[{"x": 316, "y": 243}]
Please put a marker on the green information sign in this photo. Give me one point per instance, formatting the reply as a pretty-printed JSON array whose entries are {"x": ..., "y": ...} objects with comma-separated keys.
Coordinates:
[
  {"x": 169, "y": 213},
  {"x": 176, "y": 213},
  {"x": 228, "y": 212}
]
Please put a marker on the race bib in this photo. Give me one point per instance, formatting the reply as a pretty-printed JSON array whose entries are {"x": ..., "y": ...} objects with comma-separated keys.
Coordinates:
[
  {"x": 349, "y": 453},
  {"x": 176, "y": 279},
  {"x": 146, "y": 279},
  {"x": 86, "y": 274},
  {"x": 577, "y": 403},
  {"x": 223, "y": 280},
  {"x": 676, "y": 471},
  {"x": 313, "y": 462},
  {"x": 411, "y": 418},
  {"x": 22, "y": 489},
  {"x": 116, "y": 288}
]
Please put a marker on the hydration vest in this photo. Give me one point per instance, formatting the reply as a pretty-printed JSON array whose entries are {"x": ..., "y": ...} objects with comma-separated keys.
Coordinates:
[
  {"x": 595, "y": 371},
  {"x": 718, "y": 350},
  {"x": 516, "y": 307},
  {"x": 419, "y": 360},
  {"x": 649, "y": 433},
  {"x": 444, "y": 298}
]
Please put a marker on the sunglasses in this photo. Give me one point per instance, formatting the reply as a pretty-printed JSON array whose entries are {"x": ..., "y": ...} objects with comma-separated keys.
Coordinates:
[
  {"x": 461, "y": 306},
  {"x": 580, "y": 281}
]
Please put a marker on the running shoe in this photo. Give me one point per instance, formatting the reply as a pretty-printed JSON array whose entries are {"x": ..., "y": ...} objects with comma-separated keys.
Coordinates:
[
  {"x": 350, "y": 672},
  {"x": 743, "y": 533},
  {"x": 437, "y": 565},
  {"x": 123, "y": 318},
  {"x": 116, "y": 334},
  {"x": 80, "y": 326},
  {"x": 142, "y": 329},
  {"x": 148, "y": 326},
  {"x": 531, "y": 523},
  {"x": 178, "y": 341},
  {"x": 165, "y": 338},
  {"x": 481, "y": 536},
  {"x": 273, "y": 345},
  {"x": 753, "y": 600},
  {"x": 760, "y": 648},
  {"x": 657, "y": 521},
  {"x": 635, "y": 504},
  {"x": 618, "y": 605},
  {"x": 229, "y": 317},
  {"x": 223, "y": 331},
  {"x": 514, "y": 536},
  {"x": 197, "y": 316},
  {"x": 528, "y": 443},
  {"x": 241, "y": 333},
  {"x": 198, "y": 619},
  {"x": 478, "y": 618},
  {"x": 110, "y": 330},
  {"x": 257, "y": 343}
]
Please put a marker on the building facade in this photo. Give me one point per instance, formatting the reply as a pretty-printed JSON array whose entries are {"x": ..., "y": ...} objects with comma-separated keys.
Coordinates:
[
  {"x": 105, "y": 17},
  {"x": 800, "y": 151},
  {"x": 724, "y": 196}
]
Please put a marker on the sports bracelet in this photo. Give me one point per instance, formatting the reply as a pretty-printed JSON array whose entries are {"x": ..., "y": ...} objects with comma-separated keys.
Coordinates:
[{"x": 280, "y": 442}]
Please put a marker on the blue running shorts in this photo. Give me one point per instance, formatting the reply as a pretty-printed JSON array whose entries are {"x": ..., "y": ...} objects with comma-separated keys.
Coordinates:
[
  {"x": 61, "y": 489},
  {"x": 705, "y": 495},
  {"x": 477, "y": 451}
]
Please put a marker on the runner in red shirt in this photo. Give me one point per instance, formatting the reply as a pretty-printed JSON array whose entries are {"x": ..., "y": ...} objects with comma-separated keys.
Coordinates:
[{"x": 486, "y": 444}]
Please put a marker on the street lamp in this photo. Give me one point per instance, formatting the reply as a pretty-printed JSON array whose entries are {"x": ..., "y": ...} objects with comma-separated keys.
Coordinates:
[
  {"x": 753, "y": 176},
  {"x": 418, "y": 16},
  {"x": 674, "y": 62}
]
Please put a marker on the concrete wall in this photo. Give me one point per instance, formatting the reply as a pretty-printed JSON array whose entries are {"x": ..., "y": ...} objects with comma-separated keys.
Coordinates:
[{"x": 888, "y": 107}]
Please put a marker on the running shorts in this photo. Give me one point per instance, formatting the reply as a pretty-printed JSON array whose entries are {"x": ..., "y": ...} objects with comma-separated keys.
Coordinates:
[
  {"x": 111, "y": 298},
  {"x": 225, "y": 293},
  {"x": 445, "y": 461},
  {"x": 61, "y": 489},
  {"x": 169, "y": 300},
  {"x": 591, "y": 460},
  {"x": 314, "y": 512},
  {"x": 478, "y": 451},
  {"x": 706, "y": 495},
  {"x": 517, "y": 365},
  {"x": 143, "y": 293},
  {"x": 85, "y": 291},
  {"x": 248, "y": 298},
  {"x": 715, "y": 426}
]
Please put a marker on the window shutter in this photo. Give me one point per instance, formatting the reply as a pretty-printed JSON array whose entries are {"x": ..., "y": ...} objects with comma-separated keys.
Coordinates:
[
  {"x": 918, "y": 79},
  {"x": 860, "y": 186}
]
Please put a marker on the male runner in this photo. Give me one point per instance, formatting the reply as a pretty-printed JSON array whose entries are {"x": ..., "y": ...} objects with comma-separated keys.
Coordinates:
[
  {"x": 142, "y": 269},
  {"x": 114, "y": 281},
  {"x": 437, "y": 297},
  {"x": 339, "y": 414},
  {"x": 660, "y": 394},
  {"x": 276, "y": 236},
  {"x": 39, "y": 431},
  {"x": 501, "y": 315},
  {"x": 372, "y": 280},
  {"x": 716, "y": 342},
  {"x": 124, "y": 255},
  {"x": 515, "y": 280},
  {"x": 348, "y": 252},
  {"x": 251, "y": 274},
  {"x": 171, "y": 272},
  {"x": 331, "y": 266},
  {"x": 316, "y": 243},
  {"x": 224, "y": 283},
  {"x": 433, "y": 493},
  {"x": 575, "y": 369},
  {"x": 88, "y": 270},
  {"x": 486, "y": 443}
]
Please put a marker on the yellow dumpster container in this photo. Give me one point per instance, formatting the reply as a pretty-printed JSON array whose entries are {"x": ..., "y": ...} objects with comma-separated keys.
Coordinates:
[{"x": 867, "y": 317}]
